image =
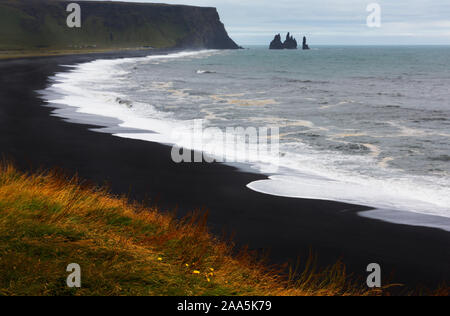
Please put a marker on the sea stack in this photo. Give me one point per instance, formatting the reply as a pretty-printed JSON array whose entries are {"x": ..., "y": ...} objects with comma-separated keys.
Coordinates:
[
  {"x": 305, "y": 45},
  {"x": 276, "y": 43},
  {"x": 289, "y": 43}
]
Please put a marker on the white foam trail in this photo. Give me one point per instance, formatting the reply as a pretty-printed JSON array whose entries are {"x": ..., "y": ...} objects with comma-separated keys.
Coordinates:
[
  {"x": 310, "y": 187},
  {"x": 89, "y": 89},
  {"x": 327, "y": 176}
]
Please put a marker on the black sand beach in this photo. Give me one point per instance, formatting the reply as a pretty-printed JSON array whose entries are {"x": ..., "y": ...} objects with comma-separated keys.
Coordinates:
[{"x": 287, "y": 227}]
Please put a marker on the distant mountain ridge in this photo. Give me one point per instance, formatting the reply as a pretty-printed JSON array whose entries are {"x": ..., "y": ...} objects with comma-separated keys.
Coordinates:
[{"x": 41, "y": 24}]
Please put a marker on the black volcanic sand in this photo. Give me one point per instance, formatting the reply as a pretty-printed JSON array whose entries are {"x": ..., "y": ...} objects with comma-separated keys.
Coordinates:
[{"x": 287, "y": 227}]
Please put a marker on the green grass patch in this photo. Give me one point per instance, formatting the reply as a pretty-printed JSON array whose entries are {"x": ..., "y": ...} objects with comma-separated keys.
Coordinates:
[{"x": 48, "y": 222}]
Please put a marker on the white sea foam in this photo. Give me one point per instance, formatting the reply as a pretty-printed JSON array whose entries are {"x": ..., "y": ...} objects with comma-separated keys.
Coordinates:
[
  {"x": 379, "y": 194},
  {"x": 90, "y": 89},
  {"x": 327, "y": 176},
  {"x": 202, "y": 72}
]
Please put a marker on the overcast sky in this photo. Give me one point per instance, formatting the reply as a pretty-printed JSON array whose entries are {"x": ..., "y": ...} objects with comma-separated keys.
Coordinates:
[{"x": 332, "y": 21}]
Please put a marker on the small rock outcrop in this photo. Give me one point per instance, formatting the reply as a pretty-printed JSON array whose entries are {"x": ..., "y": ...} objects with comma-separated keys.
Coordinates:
[
  {"x": 305, "y": 45},
  {"x": 289, "y": 43},
  {"x": 276, "y": 43}
]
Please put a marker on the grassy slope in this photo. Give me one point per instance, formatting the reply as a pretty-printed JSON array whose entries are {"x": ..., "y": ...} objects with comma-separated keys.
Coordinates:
[
  {"x": 24, "y": 26},
  {"x": 48, "y": 222},
  {"x": 38, "y": 27}
]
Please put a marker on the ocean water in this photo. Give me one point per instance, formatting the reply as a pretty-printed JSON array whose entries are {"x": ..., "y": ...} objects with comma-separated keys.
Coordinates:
[{"x": 364, "y": 125}]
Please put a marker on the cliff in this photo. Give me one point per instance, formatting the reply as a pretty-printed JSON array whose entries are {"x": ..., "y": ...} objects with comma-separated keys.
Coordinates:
[{"x": 41, "y": 24}]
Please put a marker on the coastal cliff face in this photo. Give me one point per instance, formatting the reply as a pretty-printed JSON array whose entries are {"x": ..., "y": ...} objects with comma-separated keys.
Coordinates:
[{"x": 41, "y": 24}]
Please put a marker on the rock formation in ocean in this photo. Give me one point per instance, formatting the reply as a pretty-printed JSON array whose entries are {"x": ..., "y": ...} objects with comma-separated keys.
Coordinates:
[
  {"x": 305, "y": 46},
  {"x": 289, "y": 43},
  {"x": 276, "y": 43},
  {"x": 41, "y": 24}
]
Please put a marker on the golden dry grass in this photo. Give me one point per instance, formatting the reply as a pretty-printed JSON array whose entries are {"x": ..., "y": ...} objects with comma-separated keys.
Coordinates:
[{"x": 48, "y": 221}]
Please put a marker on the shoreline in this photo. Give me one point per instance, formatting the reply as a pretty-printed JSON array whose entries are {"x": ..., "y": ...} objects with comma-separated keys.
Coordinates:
[
  {"x": 289, "y": 227},
  {"x": 79, "y": 112},
  {"x": 18, "y": 54}
]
